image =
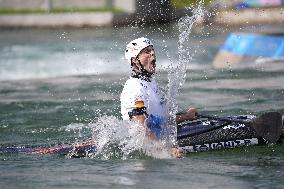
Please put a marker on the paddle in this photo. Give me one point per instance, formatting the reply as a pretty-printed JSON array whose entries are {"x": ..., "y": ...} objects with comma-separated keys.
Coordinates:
[{"x": 268, "y": 126}]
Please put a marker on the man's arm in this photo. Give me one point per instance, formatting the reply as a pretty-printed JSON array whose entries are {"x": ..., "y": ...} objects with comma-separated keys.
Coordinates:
[
  {"x": 141, "y": 120},
  {"x": 190, "y": 115},
  {"x": 175, "y": 152}
]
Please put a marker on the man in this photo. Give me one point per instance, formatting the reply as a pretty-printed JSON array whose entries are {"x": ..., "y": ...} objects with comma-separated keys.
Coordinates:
[{"x": 140, "y": 99}]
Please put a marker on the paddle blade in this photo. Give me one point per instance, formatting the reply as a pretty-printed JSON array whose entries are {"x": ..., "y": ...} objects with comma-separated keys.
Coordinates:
[{"x": 268, "y": 126}]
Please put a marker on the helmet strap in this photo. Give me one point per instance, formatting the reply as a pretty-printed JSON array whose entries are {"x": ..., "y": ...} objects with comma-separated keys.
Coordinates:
[{"x": 143, "y": 70}]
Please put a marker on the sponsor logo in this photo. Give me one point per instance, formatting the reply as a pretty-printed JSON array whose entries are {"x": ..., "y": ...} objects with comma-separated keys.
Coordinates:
[
  {"x": 133, "y": 48},
  {"x": 223, "y": 145},
  {"x": 234, "y": 126},
  {"x": 145, "y": 86},
  {"x": 147, "y": 41}
]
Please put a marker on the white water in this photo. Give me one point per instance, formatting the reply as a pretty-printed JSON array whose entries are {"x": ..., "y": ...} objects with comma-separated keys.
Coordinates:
[
  {"x": 38, "y": 61},
  {"x": 177, "y": 72},
  {"x": 116, "y": 138}
]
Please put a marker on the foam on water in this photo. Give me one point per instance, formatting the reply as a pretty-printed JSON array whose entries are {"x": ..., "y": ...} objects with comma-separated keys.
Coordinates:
[
  {"x": 39, "y": 62},
  {"x": 34, "y": 61}
]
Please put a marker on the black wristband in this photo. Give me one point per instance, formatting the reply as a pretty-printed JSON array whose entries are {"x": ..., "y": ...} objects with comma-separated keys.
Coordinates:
[{"x": 137, "y": 111}]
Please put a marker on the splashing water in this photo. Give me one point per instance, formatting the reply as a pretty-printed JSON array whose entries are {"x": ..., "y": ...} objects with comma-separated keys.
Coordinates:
[
  {"x": 121, "y": 139},
  {"x": 176, "y": 74}
]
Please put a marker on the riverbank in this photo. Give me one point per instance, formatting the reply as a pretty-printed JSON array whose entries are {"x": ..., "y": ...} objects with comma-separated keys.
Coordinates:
[
  {"x": 86, "y": 19},
  {"x": 90, "y": 13},
  {"x": 83, "y": 19},
  {"x": 77, "y": 19}
]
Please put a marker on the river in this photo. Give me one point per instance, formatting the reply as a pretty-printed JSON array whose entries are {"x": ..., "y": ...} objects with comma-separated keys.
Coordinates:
[{"x": 55, "y": 83}]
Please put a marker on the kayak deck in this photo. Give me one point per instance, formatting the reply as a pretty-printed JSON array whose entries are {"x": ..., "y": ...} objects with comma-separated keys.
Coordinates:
[{"x": 200, "y": 135}]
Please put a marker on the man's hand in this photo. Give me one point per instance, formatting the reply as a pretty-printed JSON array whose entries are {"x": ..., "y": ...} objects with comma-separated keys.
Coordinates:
[
  {"x": 141, "y": 119},
  {"x": 191, "y": 114},
  {"x": 176, "y": 153}
]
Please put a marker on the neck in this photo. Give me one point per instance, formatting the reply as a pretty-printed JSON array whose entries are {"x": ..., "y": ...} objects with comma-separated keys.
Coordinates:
[{"x": 146, "y": 76}]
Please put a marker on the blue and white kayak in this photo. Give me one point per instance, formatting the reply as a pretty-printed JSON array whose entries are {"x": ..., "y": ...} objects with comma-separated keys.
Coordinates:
[{"x": 230, "y": 132}]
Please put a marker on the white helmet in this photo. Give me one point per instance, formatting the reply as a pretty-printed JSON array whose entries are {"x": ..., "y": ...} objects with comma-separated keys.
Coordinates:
[{"x": 134, "y": 47}]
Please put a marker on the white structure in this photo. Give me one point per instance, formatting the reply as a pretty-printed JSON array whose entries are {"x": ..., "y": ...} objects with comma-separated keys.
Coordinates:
[{"x": 124, "y": 5}]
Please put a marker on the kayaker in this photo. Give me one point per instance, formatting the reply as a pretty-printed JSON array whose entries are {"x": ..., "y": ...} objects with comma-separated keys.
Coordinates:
[{"x": 140, "y": 98}]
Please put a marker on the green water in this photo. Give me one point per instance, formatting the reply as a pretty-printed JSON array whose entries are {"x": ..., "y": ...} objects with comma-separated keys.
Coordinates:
[{"x": 54, "y": 83}]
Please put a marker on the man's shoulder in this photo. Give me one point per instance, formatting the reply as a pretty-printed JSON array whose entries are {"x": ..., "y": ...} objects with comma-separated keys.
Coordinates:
[
  {"x": 133, "y": 82},
  {"x": 134, "y": 86},
  {"x": 132, "y": 90}
]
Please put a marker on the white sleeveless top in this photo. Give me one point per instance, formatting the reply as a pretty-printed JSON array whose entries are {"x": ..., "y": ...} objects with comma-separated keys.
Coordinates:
[{"x": 138, "y": 90}]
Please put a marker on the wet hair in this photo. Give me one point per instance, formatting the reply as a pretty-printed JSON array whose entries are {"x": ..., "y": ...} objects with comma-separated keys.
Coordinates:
[
  {"x": 146, "y": 50},
  {"x": 135, "y": 68}
]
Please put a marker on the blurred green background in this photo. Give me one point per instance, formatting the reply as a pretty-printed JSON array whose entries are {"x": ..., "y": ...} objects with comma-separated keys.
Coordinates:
[{"x": 187, "y": 3}]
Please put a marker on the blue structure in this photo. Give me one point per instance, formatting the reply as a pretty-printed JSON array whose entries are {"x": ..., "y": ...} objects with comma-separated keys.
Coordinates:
[
  {"x": 254, "y": 45},
  {"x": 246, "y": 48},
  {"x": 259, "y": 3}
]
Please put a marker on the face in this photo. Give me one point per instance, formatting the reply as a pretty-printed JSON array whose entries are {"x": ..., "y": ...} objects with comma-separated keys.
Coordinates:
[{"x": 147, "y": 58}]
